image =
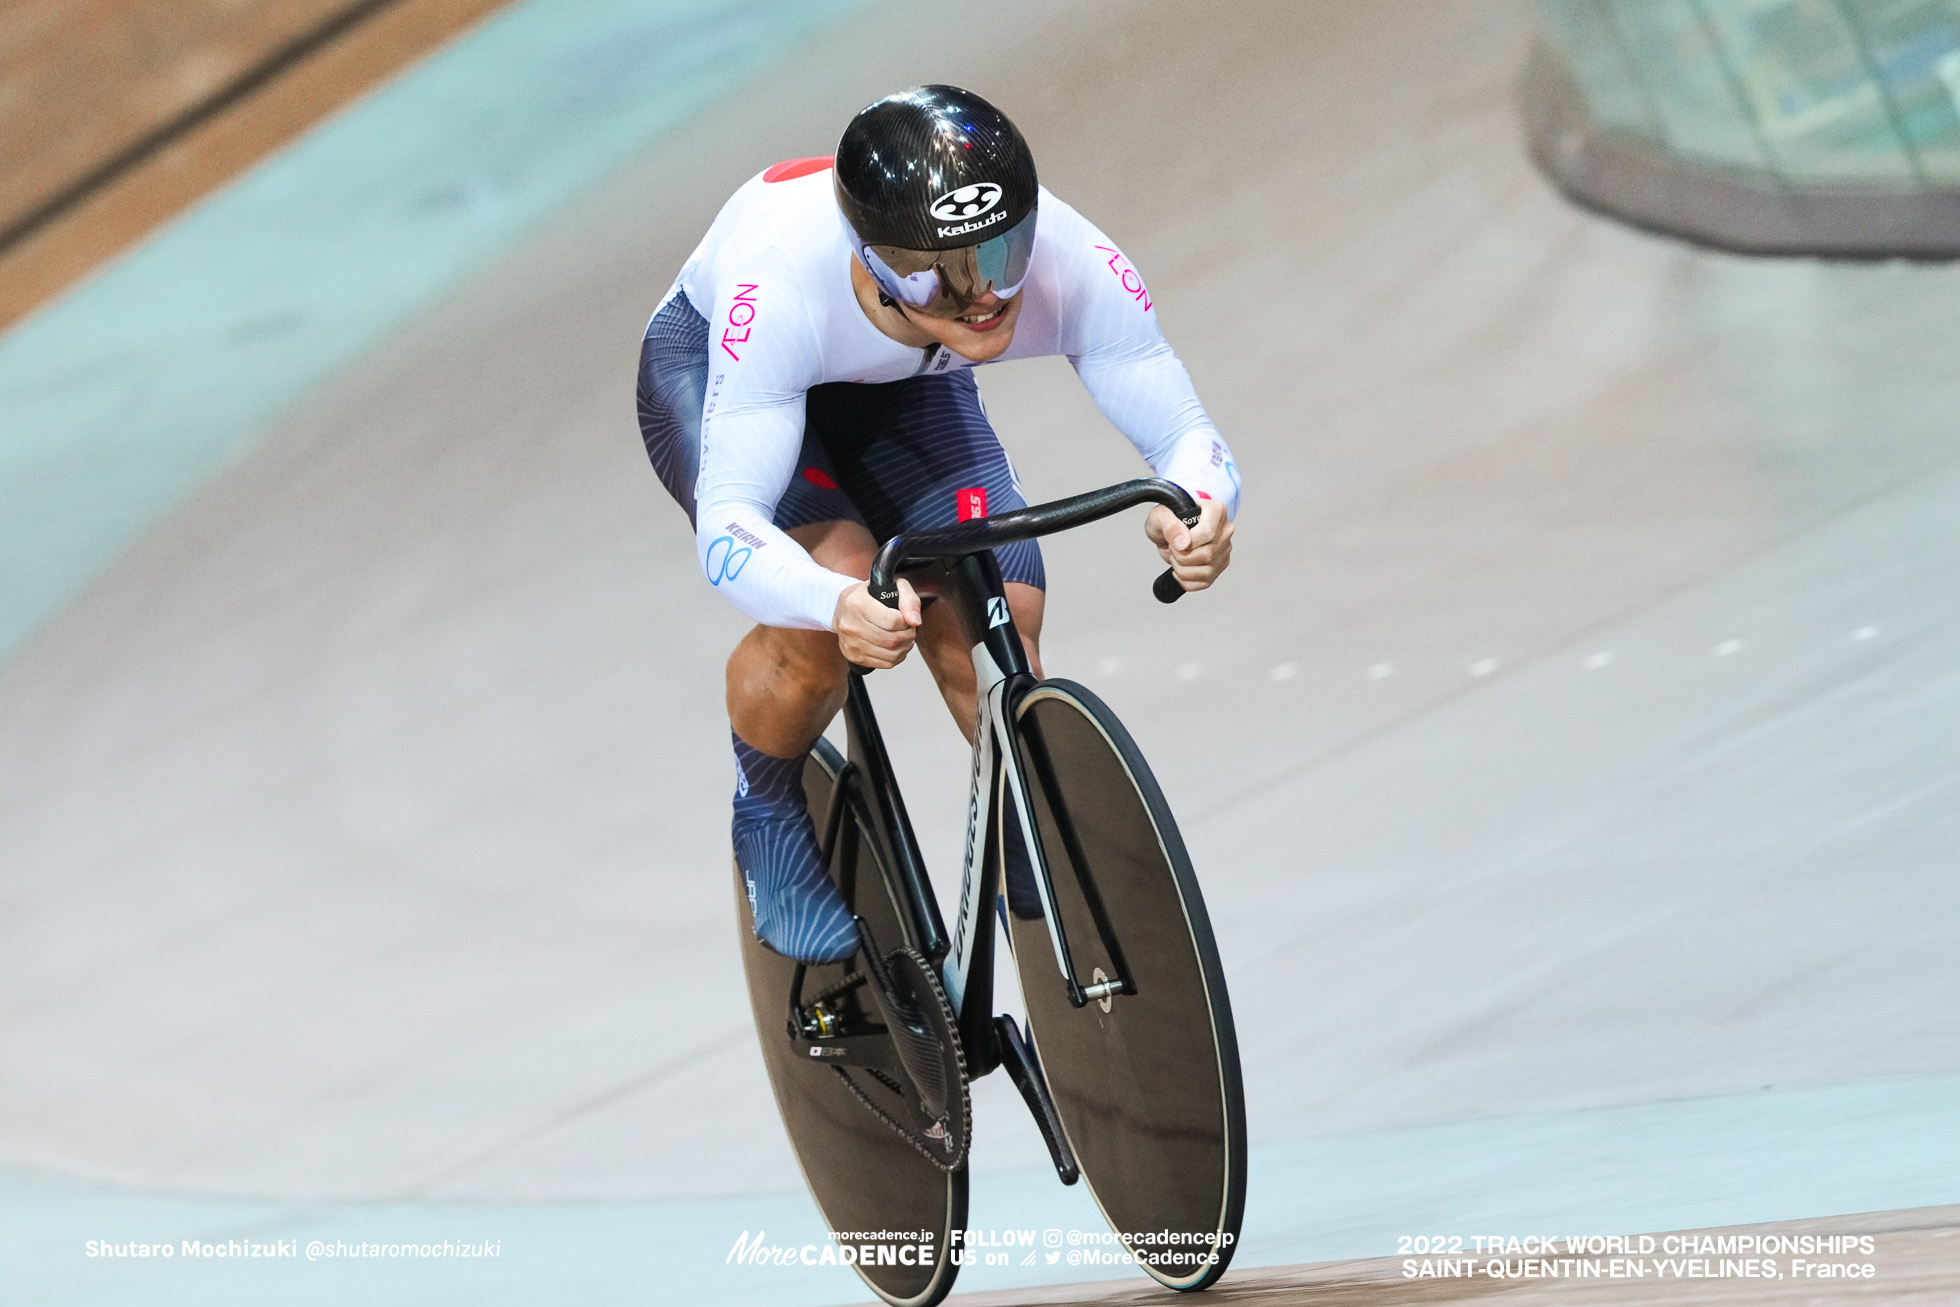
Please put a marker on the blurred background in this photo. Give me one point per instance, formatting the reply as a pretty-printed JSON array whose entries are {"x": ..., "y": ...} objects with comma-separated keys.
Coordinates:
[{"x": 1568, "y": 757}]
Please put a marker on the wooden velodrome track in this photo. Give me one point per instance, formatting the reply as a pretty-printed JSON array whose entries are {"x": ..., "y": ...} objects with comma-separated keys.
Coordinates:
[
  {"x": 120, "y": 113},
  {"x": 1574, "y": 729}
]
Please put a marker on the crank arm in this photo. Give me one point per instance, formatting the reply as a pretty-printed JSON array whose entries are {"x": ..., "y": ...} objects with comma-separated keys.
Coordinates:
[
  {"x": 1017, "y": 1055},
  {"x": 868, "y": 1048}
]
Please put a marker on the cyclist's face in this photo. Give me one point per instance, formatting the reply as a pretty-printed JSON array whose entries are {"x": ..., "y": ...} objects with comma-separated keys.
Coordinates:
[
  {"x": 980, "y": 333},
  {"x": 953, "y": 279},
  {"x": 947, "y": 283}
]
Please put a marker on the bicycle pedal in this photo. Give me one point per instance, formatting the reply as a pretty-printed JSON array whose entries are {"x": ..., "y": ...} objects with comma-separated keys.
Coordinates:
[
  {"x": 821, "y": 1021},
  {"x": 840, "y": 1034}
]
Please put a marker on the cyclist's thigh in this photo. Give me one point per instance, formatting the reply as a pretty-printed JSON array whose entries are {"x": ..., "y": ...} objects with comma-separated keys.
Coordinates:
[
  {"x": 946, "y": 637},
  {"x": 918, "y": 454},
  {"x": 841, "y": 545},
  {"x": 947, "y": 646},
  {"x": 673, "y": 384}
]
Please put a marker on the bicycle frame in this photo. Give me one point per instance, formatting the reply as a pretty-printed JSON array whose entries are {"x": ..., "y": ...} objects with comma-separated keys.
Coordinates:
[
  {"x": 1002, "y": 676},
  {"x": 1050, "y": 758},
  {"x": 964, "y": 955}
]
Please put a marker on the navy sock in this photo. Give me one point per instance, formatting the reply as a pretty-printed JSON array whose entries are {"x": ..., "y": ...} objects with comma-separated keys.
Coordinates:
[
  {"x": 766, "y": 786},
  {"x": 798, "y": 911}
]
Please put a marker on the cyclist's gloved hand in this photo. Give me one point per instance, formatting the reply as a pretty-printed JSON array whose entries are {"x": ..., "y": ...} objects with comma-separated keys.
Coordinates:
[
  {"x": 1197, "y": 554},
  {"x": 872, "y": 635}
]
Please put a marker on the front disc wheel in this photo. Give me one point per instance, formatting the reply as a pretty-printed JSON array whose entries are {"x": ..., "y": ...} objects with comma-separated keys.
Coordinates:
[{"x": 1145, "y": 1077}]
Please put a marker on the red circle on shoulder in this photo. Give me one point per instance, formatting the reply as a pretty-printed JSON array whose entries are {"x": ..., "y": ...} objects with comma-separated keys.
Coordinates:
[
  {"x": 816, "y": 476},
  {"x": 790, "y": 169}
]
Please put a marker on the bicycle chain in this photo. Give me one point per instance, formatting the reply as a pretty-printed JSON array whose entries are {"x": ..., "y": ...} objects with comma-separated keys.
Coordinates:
[
  {"x": 904, "y": 1132},
  {"x": 844, "y": 986},
  {"x": 921, "y": 1143},
  {"x": 892, "y": 1083}
]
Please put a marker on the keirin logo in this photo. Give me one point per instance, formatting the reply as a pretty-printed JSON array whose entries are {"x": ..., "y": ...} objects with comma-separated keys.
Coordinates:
[
  {"x": 966, "y": 202},
  {"x": 725, "y": 562}
]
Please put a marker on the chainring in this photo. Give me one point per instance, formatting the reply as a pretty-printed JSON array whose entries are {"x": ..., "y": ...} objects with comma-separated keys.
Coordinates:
[{"x": 930, "y": 1107}]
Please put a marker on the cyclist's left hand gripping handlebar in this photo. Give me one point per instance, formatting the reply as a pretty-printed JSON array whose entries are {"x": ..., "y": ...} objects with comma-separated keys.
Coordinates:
[{"x": 1165, "y": 587}]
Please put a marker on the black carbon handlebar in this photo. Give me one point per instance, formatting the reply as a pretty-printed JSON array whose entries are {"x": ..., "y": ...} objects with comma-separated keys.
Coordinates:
[{"x": 1027, "y": 523}]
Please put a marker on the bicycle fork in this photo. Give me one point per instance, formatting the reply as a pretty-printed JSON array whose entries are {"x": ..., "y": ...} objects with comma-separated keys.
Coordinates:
[{"x": 1002, "y": 676}]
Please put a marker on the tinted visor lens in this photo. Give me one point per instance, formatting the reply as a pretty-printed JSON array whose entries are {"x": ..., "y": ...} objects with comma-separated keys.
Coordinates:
[{"x": 944, "y": 282}]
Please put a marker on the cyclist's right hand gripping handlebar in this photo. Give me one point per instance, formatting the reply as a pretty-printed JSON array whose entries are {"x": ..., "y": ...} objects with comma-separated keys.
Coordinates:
[{"x": 1027, "y": 523}]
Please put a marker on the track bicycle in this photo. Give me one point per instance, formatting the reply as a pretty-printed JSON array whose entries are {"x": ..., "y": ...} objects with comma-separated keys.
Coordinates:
[{"x": 1129, "y": 1063}]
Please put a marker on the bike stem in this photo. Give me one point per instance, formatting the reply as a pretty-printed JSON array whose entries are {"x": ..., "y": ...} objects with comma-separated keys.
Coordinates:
[{"x": 984, "y": 533}]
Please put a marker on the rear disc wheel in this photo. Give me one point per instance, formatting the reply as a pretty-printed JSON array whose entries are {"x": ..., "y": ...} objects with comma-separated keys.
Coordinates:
[{"x": 865, "y": 1175}]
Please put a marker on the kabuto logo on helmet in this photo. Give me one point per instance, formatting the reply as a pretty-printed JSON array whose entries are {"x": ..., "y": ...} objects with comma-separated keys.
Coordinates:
[{"x": 966, "y": 202}]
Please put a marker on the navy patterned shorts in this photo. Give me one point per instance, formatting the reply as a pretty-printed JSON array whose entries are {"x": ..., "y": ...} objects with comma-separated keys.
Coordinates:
[{"x": 897, "y": 457}]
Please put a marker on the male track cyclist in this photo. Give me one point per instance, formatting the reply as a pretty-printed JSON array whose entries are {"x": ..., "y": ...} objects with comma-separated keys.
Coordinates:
[{"x": 806, "y": 393}]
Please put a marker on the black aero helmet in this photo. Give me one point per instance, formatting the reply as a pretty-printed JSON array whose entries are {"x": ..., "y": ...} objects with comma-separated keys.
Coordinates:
[{"x": 939, "y": 191}]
